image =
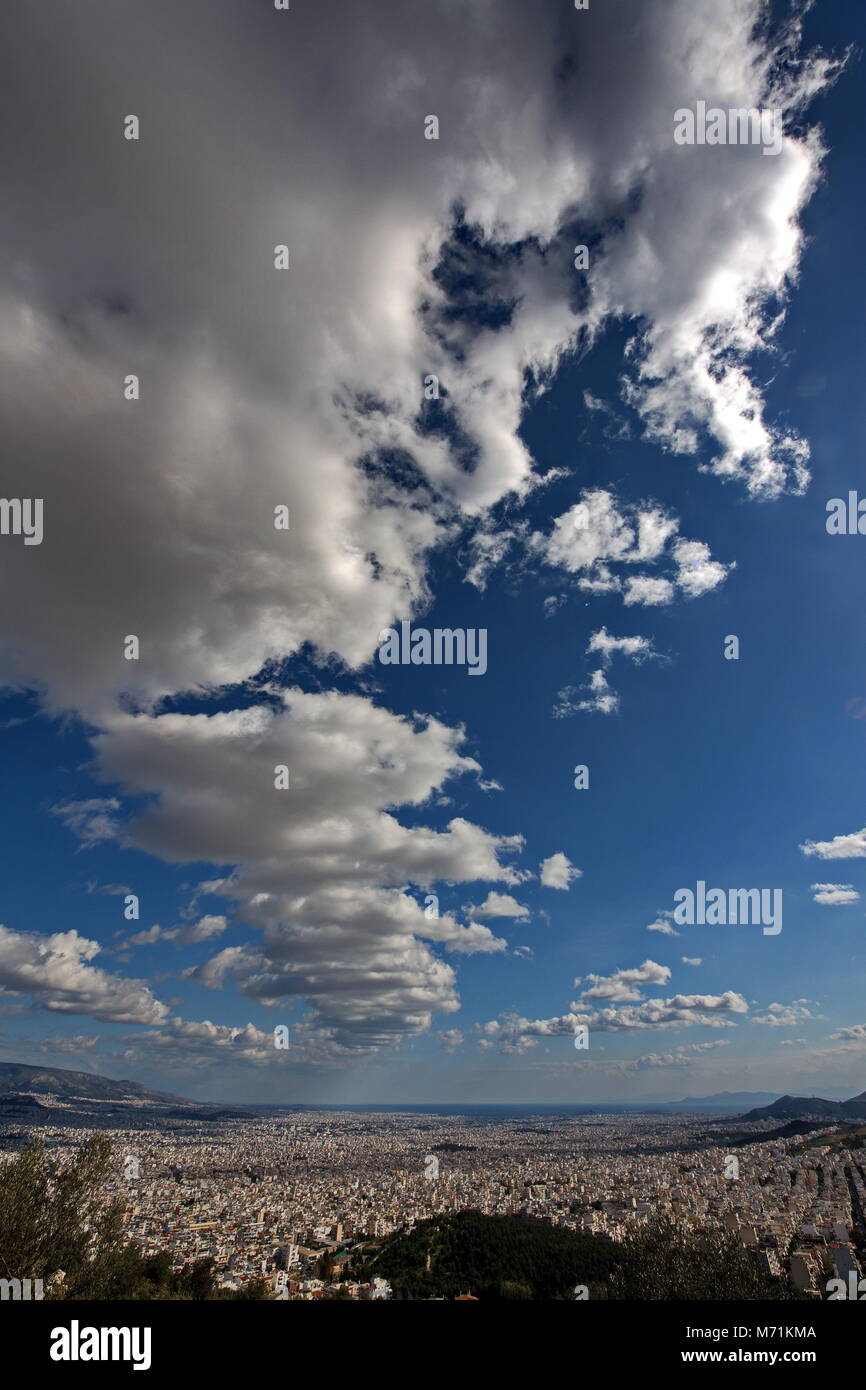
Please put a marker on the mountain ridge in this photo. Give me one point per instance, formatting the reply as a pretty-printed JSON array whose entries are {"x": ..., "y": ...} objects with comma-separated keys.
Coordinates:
[
  {"x": 18, "y": 1078},
  {"x": 807, "y": 1107},
  {"x": 734, "y": 1099}
]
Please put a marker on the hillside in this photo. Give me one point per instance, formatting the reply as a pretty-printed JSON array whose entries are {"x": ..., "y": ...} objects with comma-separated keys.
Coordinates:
[
  {"x": 511, "y": 1258},
  {"x": 468, "y": 1252},
  {"x": 849, "y": 1137},
  {"x": 21, "y": 1105},
  {"x": 791, "y": 1130},
  {"x": 77, "y": 1085},
  {"x": 53, "y": 1095},
  {"x": 721, "y": 1100},
  {"x": 810, "y": 1107}
]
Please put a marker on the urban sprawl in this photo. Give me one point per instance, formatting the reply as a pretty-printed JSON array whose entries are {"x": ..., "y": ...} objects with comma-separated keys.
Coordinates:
[{"x": 304, "y": 1199}]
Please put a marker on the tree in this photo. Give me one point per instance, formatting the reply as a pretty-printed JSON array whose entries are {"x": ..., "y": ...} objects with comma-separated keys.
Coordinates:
[
  {"x": 53, "y": 1218},
  {"x": 512, "y": 1292},
  {"x": 662, "y": 1261}
]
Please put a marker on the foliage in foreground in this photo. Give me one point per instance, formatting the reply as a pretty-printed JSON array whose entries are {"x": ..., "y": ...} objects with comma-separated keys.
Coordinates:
[{"x": 52, "y": 1218}]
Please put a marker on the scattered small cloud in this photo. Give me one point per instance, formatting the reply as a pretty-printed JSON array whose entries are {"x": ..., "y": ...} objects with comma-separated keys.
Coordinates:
[
  {"x": 833, "y": 894},
  {"x": 851, "y": 846},
  {"x": 557, "y": 871},
  {"x": 498, "y": 905}
]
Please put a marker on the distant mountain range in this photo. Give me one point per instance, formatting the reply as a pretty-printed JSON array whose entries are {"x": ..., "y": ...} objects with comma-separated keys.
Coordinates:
[
  {"x": 722, "y": 1100},
  {"x": 53, "y": 1095},
  {"x": 811, "y": 1107},
  {"x": 77, "y": 1085},
  {"x": 38, "y": 1093}
]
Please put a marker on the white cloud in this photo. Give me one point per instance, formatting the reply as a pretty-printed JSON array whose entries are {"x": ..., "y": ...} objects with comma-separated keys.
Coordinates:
[
  {"x": 697, "y": 573},
  {"x": 557, "y": 871},
  {"x": 55, "y": 971},
  {"x": 516, "y": 1034},
  {"x": 691, "y": 960},
  {"x": 321, "y": 869},
  {"x": 599, "y": 528},
  {"x": 79, "y": 1043},
  {"x": 92, "y": 821},
  {"x": 684, "y": 1056},
  {"x": 680, "y": 1011},
  {"x": 599, "y": 697},
  {"x": 784, "y": 1015},
  {"x": 626, "y": 986},
  {"x": 205, "y": 929},
  {"x": 832, "y": 894},
  {"x": 202, "y": 1041},
  {"x": 599, "y": 532},
  {"x": 851, "y": 846},
  {"x": 487, "y": 548},
  {"x": 635, "y": 648},
  {"x": 646, "y": 590},
  {"x": 662, "y": 925},
  {"x": 499, "y": 905}
]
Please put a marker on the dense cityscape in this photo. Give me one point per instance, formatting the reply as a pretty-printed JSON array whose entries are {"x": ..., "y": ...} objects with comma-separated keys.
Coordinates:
[{"x": 303, "y": 1199}]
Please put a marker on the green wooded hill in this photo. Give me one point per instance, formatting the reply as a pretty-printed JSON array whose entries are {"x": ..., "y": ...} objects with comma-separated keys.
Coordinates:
[
  {"x": 512, "y": 1257},
  {"x": 492, "y": 1257}
]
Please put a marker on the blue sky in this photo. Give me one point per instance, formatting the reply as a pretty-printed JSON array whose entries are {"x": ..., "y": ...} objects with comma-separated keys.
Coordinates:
[{"x": 703, "y": 769}]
